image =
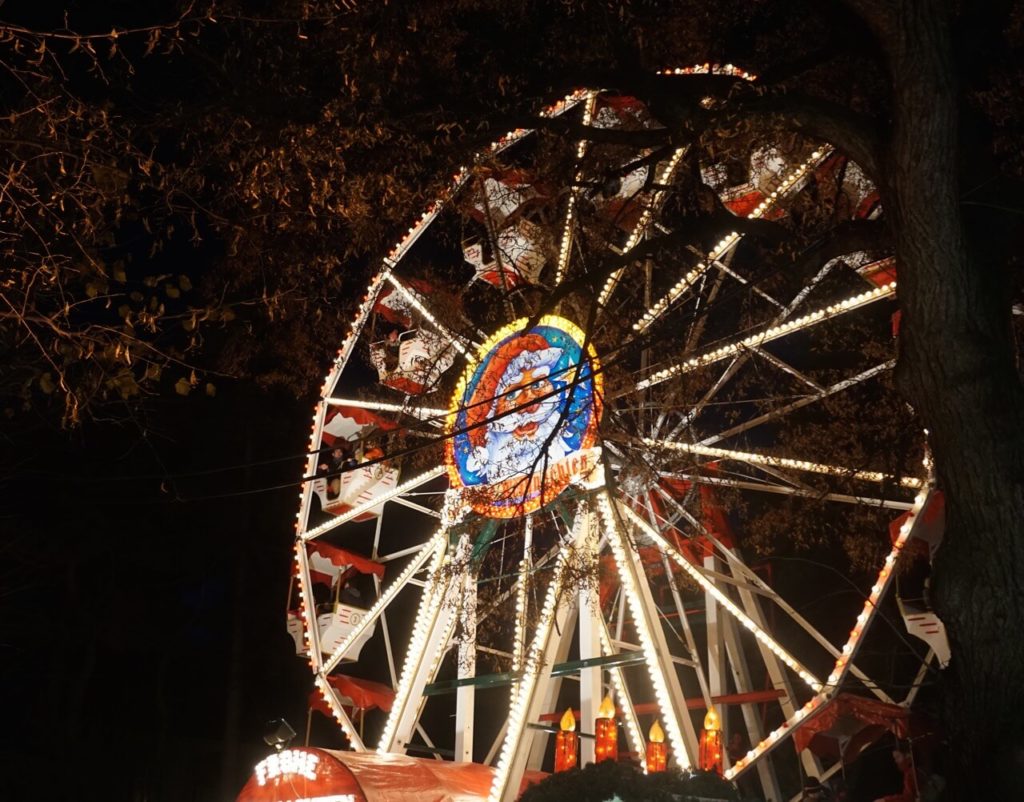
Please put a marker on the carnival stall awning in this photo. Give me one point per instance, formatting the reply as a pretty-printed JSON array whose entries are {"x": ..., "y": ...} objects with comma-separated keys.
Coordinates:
[
  {"x": 322, "y": 775},
  {"x": 848, "y": 725},
  {"x": 363, "y": 694}
]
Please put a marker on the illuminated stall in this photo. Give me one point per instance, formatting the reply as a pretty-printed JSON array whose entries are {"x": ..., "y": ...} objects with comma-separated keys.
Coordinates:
[{"x": 325, "y": 775}]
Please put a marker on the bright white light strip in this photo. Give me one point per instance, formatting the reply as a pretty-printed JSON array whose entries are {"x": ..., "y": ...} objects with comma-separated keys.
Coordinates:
[
  {"x": 879, "y": 588},
  {"x": 633, "y": 733},
  {"x": 366, "y": 506},
  {"x": 618, "y": 543},
  {"x": 414, "y": 299},
  {"x": 520, "y": 624},
  {"x": 780, "y": 462},
  {"x": 310, "y": 631},
  {"x": 846, "y": 655},
  {"x": 788, "y": 184},
  {"x": 425, "y": 552},
  {"x": 711, "y": 69},
  {"x": 641, "y": 227},
  {"x": 426, "y": 616},
  {"x": 770, "y": 334},
  {"x": 777, "y": 735},
  {"x": 462, "y": 176},
  {"x": 423, "y": 413},
  {"x": 697, "y": 69},
  {"x": 533, "y": 665},
  {"x": 319, "y": 411},
  {"x": 724, "y": 600},
  {"x": 522, "y": 598},
  {"x": 339, "y": 713},
  {"x": 687, "y": 281},
  {"x": 566, "y": 245}
]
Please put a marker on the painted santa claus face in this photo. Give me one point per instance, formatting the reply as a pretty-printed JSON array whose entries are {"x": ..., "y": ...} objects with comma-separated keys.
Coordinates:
[
  {"x": 527, "y": 402},
  {"x": 524, "y": 419},
  {"x": 521, "y": 435}
]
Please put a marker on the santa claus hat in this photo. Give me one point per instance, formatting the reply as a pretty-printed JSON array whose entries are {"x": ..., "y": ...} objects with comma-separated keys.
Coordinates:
[{"x": 528, "y": 360}]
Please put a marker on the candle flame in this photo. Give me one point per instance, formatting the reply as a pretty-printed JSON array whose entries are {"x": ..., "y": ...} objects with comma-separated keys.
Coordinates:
[
  {"x": 607, "y": 709},
  {"x": 711, "y": 720},
  {"x": 568, "y": 723},
  {"x": 656, "y": 734}
]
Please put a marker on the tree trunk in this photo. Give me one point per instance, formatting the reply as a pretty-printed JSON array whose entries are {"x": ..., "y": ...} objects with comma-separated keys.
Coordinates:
[{"x": 957, "y": 368}]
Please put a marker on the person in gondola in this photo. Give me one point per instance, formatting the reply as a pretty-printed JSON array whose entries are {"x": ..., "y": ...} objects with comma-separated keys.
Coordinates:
[
  {"x": 393, "y": 344},
  {"x": 349, "y": 460},
  {"x": 373, "y": 452},
  {"x": 341, "y": 457}
]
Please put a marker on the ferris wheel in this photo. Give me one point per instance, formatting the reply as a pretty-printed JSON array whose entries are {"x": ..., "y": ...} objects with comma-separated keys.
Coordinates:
[{"x": 536, "y": 463}]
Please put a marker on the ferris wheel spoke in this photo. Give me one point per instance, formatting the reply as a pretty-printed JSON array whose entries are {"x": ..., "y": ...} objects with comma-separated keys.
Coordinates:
[
  {"x": 741, "y": 358},
  {"x": 423, "y": 554},
  {"x": 785, "y": 409},
  {"x": 367, "y": 506},
  {"x": 770, "y": 334},
  {"x": 737, "y": 566},
  {"x": 784, "y": 366},
  {"x": 331, "y": 696},
  {"x": 789, "y": 185},
  {"x": 430, "y": 634},
  {"x": 640, "y": 229},
  {"x": 796, "y": 666},
  {"x": 458, "y": 342},
  {"x": 847, "y": 653},
  {"x": 720, "y": 265},
  {"x": 768, "y": 460},
  {"x": 565, "y": 241},
  {"x": 432, "y": 415},
  {"x": 787, "y": 490}
]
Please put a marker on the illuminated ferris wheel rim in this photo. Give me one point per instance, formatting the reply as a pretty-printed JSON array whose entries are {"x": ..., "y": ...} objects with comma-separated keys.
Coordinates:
[{"x": 614, "y": 514}]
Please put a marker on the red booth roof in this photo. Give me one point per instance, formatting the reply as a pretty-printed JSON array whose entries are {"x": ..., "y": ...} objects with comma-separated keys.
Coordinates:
[
  {"x": 848, "y": 725},
  {"x": 370, "y": 777}
]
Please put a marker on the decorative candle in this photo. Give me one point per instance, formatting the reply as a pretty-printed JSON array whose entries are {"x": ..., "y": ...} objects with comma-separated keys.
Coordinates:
[
  {"x": 606, "y": 732},
  {"x": 566, "y": 743},
  {"x": 711, "y": 743},
  {"x": 657, "y": 752}
]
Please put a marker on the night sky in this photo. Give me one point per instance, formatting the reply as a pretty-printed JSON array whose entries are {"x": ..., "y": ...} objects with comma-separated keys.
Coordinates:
[{"x": 144, "y": 604}]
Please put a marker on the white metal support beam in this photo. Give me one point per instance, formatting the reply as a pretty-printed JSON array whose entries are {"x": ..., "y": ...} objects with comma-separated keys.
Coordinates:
[
  {"x": 425, "y": 647},
  {"x": 589, "y": 645},
  {"x": 667, "y": 690},
  {"x": 744, "y": 684},
  {"x": 528, "y": 700},
  {"x": 465, "y": 696}
]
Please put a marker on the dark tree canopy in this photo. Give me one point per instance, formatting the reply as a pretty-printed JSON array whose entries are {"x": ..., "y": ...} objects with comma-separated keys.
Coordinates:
[{"x": 197, "y": 196}]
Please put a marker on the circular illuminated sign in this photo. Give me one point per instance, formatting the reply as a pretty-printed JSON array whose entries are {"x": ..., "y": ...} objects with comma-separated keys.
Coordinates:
[{"x": 524, "y": 418}]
